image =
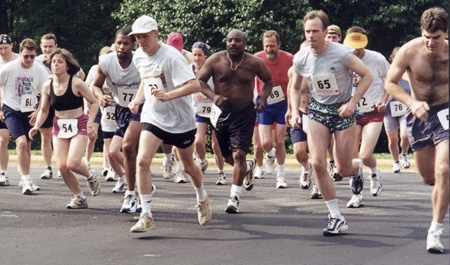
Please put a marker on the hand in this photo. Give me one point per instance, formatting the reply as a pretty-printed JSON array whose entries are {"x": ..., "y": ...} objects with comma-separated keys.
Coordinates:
[
  {"x": 287, "y": 116},
  {"x": 134, "y": 106},
  {"x": 2, "y": 117},
  {"x": 295, "y": 120},
  {"x": 32, "y": 117},
  {"x": 32, "y": 132},
  {"x": 220, "y": 101},
  {"x": 420, "y": 109},
  {"x": 260, "y": 106},
  {"x": 347, "y": 110},
  {"x": 160, "y": 95},
  {"x": 380, "y": 106},
  {"x": 91, "y": 132},
  {"x": 106, "y": 100},
  {"x": 200, "y": 97}
]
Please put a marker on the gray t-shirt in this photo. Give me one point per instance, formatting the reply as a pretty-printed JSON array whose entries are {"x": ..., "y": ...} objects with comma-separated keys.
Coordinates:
[
  {"x": 330, "y": 78},
  {"x": 166, "y": 69}
]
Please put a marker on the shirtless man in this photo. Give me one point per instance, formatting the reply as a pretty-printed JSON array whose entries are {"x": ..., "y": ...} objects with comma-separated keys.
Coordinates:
[
  {"x": 233, "y": 72},
  {"x": 425, "y": 59},
  {"x": 328, "y": 65}
]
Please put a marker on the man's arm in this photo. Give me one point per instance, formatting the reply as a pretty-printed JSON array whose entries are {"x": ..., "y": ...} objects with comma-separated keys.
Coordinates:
[
  {"x": 97, "y": 87},
  {"x": 265, "y": 76},
  {"x": 295, "y": 97},
  {"x": 204, "y": 75},
  {"x": 190, "y": 87}
]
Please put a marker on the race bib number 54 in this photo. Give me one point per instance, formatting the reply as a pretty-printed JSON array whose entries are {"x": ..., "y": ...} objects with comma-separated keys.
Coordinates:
[
  {"x": 67, "y": 128},
  {"x": 325, "y": 85}
]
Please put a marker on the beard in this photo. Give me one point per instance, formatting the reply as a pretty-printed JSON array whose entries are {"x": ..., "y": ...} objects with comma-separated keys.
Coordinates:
[{"x": 271, "y": 55}]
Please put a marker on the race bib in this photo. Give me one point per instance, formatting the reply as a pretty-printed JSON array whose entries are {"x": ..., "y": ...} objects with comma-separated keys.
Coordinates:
[
  {"x": 27, "y": 103},
  {"x": 397, "y": 108},
  {"x": 276, "y": 95},
  {"x": 67, "y": 128},
  {"x": 125, "y": 96},
  {"x": 305, "y": 120},
  {"x": 204, "y": 109},
  {"x": 443, "y": 118},
  {"x": 325, "y": 85},
  {"x": 152, "y": 83},
  {"x": 109, "y": 117},
  {"x": 364, "y": 105},
  {"x": 215, "y": 113}
]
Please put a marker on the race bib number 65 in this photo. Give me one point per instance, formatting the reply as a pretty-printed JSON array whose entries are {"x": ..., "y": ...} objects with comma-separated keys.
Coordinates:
[{"x": 325, "y": 85}]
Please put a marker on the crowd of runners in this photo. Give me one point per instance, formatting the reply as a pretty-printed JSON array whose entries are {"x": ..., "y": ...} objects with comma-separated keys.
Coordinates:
[{"x": 334, "y": 97}]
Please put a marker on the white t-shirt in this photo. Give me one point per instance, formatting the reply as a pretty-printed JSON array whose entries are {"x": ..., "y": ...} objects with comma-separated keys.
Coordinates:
[
  {"x": 20, "y": 86},
  {"x": 378, "y": 67},
  {"x": 166, "y": 69},
  {"x": 124, "y": 83},
  {"x": 328, "y": 72}
]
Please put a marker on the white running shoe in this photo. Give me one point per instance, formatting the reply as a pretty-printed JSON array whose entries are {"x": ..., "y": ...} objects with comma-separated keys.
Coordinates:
[
  {"x": 335, "y": 226},
  {"x": 129, "y": 204},
  {"x": 259, "y": 173},
  {"x": 357, "y": 182},
  {"x": 93, "y": 184},
  {"x": 144, "y": 224},
  {"x": 167, "y": 169},
  {"x": 233, "y": 205},
  {"x": 4, "y": 181},
  {"x": 315, "y": 194},
  {"x": 77, "y": 203},
  {"x": 434, "y": 244},
  {"x": 356, "y": 201},
  {"x": 281, "y": 182},
  {"x": 27, "y": 188},
  {"x": 221, "y": 179},
  {"x": 305, "y": 178},
  {"x": 406, "y": 163},
  {"x": 179, "y": 176},
  {"x": 120, "y": 186},
  {"x": 376, "y": 186},
  {"x": 110, "y": 175},
  {"x": 270, "y": 164},
  {"x": 249, "y": 180},
  {"x": 204, "y": 211},
  {"x": 48, "y": 174},
  {"x": 105, "y": 170},
  {"x": 202, "y": 164},
  {"x": 396, "y": 167}
]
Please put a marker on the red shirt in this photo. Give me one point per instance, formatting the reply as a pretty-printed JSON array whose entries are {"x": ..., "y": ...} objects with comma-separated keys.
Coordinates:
[{"x": 279, "y": 70}]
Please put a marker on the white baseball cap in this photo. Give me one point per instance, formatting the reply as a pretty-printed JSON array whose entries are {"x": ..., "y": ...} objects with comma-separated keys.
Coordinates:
[{"x": 143, "y": 25}]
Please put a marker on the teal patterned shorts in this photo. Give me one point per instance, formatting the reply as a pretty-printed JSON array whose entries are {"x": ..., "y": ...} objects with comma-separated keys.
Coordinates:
[{"x": 328, "y": 115}]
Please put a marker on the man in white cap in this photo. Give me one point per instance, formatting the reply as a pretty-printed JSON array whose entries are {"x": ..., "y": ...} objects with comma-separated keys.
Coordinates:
[
  {"x": 371, "y": 106},
  {"x": 167, "y": 115}
]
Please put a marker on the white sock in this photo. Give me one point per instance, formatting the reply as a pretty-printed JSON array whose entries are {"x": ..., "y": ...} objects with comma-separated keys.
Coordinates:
[
  {"x": 307, "y": 167},
  {"x": 235, "y": 191},
  {"x": 272, "y": 152},
  {"x": 80, "y": 195},
  {"x": 373, "y": 170},
  {"x": 168, "y": 156},
  {"x": 280, "y": 170},
  {"x": 435, "y": 226},
  {"x": 220, "y": 171},
  {"x": 26, "y": 177},
  {"x": 146, "y": 201},
  {"x": 130, "y": 192},
  {"x": 333, "y": 208},
  {"x": 201, "y": 194}
]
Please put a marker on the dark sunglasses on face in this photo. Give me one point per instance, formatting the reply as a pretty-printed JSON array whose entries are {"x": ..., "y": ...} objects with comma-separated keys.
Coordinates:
[{"x": 29, "y": 56}]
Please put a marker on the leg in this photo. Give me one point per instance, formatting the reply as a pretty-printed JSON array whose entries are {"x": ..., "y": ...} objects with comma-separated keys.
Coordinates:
[
  {"x": 61, "y": 153},
  {"x": 23, "y": 155},
  {"x": 4, "y": 155},
  {"x": 258, "y": 153},
  {"x": 91, "y": 144},
  {"x": 130, "y": 149},
  {"x": 200, "y": 140},
  {"x": 115, "y": 156},
  {"x": 370, "y": 134}
]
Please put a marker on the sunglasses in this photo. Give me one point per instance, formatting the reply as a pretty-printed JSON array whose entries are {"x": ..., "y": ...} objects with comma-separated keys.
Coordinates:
[{"x": 29, "y": 56}]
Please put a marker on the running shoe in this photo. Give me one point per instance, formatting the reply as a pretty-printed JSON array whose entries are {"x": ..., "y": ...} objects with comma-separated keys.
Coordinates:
[
  {"x": 281, "y": 182},
  {"x": 4, "y": 181},
  {"x": 179, "y": 177},
  {"x": 315, "y": 194},
  {"x": 221, "y": 179},
  {"x": 110, "y": 175},
  {"x": 167, "y": 169},
  {"x": 48, "y": 174},
  {"x": 105, "y": 171},
  {"x": 356, "y": 201},
  {"x": 202, "y": 164},
  {"x": 27, "y": 188},
  {"x": 270, "y": 164},
  {"x": 35, "y": 185},
  {"x": 249, "y": 180},
  {"x": 233, "y": 205},
  {"x": 376, "y": 186},
  {"x": 129, "y": 204},
  {"x": 335, "y": 226},
  {"x": 396, "y": 167},
  {"x": 144, "y": 224},
  {"x": 357, "y": 182},
  {"x": 120, "y": 186},
  {"x": 259, "y": 173},
  {"x": 77, "y": 203},
  {"x": 405, "y": 159},
  {"x": 93, "y": 184},
  {"x": 434, "y": 244},
  {"x": 204, "y": 211},
  {"x": 331, "y": 168},
  {"x": 305, "y": 178}
]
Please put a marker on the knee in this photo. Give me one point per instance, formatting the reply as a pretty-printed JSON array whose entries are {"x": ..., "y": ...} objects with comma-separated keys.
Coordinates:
[
  {"x": 345, "y": 171},
  {"x": 258, "y": 149},
  {"x": 319, "y": 165},
  {"x": 142, "y": 163},
  {"x": 442, "y": 174},
  {"x": 63, "y": 168},
  {"x": 239, "y": 157},
  {"x": 22, "y": 146},
  {"x": 72, "y": 165},
  {"x": 129, "y": 150}
]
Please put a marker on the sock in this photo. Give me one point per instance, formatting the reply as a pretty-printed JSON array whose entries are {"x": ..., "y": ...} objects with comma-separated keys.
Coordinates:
[
  {"x": 146, "y": 201},
  {"x": 130, "y": 192},
  {"x": 435, "y": 226},
  {"x": 248, "y": 167},
  {"x": 373, "y": 170},
  {"x": 333, "y": 208},
  {"x": 49, "y": 168},
  {"x": 220, "y": 171},
  {"x": 201, "y": 194},
  {"x": 259, "y": 171},
  {"x": 91, "y": 175},
  {"x": 168, "y": 156},
  {"x": 280, "y": 170},
  {"x": 272, "y": 152},
  {"x": 308, "y": 167},
  {"x": 26, "y": 177},
  {"x": 235, "y": 191},
  {"x": 80, "y": 195},
  {"x": 396, "y": 161}
]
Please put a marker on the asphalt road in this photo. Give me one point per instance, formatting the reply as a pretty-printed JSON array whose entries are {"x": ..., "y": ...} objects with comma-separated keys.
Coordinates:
[{"x": 274, "y": 227}]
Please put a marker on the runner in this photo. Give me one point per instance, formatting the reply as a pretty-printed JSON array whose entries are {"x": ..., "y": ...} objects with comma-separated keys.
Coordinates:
[
  {"x": 233, "y": 72},
  {"x": 167, "y": 116},
  {"x": 70, "y": 125},
  {"x": 425, "y": 59}
]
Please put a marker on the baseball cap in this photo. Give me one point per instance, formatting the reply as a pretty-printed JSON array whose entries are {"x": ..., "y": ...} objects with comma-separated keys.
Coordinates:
[
  {"x": 5, "y": 39},
  {"x": 333, "y": 29},
  {"x": 175, "y": 40},
  {"x": 356, "y": 40},
  {"x": 142, "y": 25}
]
